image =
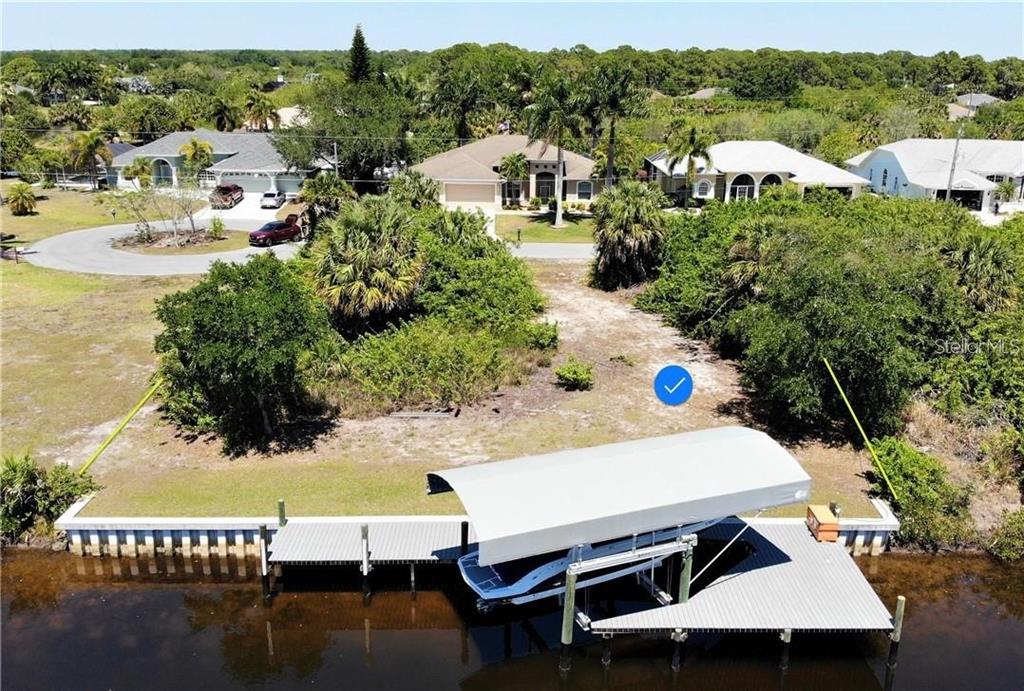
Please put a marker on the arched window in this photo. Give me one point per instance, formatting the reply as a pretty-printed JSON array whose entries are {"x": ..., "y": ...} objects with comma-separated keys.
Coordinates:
[
  {"x": 584, "y": 190},
  {"x": 770, "y": 179},
  {"x": 703, "y": 189},
  {"x": 742, "y": 187}
]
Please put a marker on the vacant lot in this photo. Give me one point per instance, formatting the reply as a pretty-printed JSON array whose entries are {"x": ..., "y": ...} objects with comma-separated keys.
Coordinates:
[
  {"x": 63, "y": 395},
  {"x": 538, "y": 228}
]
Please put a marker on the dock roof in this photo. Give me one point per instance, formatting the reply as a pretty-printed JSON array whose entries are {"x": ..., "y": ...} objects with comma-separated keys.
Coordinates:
[{"x": 540, "y": 504}]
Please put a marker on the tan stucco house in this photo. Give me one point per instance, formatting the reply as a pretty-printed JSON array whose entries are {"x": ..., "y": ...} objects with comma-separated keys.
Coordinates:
[{"x": 468, "y": 175}]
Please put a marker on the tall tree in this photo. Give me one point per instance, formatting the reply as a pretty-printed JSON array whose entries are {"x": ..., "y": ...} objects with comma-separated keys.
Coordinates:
[
  {"x": 226, "y": 115},
  {"x": 687, "y": 143},
  {"x": 359, "y": 68},
  {"x": 622, "y": 98},
  {"x": 86, "y": 150},
  {"x": 514, "y": 168},
  {"x": 551, "y": 118},
  {"x": 323, "y": 195},
  {"x": 456, "y": 95},
  {"x": 260, "y": 112}
]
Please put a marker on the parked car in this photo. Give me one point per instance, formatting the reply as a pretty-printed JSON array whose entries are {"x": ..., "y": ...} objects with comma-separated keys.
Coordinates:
[
  {"x": 226, "y": 196},
  {"x": 272, "y": 200},
  {"x": 276, "y": 231}
]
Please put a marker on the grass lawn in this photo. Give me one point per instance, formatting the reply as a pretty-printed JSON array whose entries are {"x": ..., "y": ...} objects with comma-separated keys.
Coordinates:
[
  {"x": 57, "y": 211},
  {"x": 538, "y": 228},
  {"x": 235, "y": 240}
]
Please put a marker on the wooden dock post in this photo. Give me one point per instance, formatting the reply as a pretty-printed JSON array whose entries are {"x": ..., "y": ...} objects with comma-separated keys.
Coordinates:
[
  {"x": 412, "y": 578},
  {"x": 678, "y": 641},
  {"x": 282, "y": 518},
  {"x": 264, "y": 570},
  {"x": 364, "y": 567},
  {"x": 464, "y": 538},
  {"x": 568, "y": 620},
  {"x": 684, "y": 577},
  {"x": 894, "y": 640},
  {"x": 606, "y": 651},
  {"x": 787, "y": 637}
]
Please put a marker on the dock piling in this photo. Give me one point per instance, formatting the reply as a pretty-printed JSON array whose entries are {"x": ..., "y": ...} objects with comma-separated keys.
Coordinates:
[
  {"x": 364, "y": 567},
  {"x": 684, "y": 577},
  {"x": 606, "y": 651},
  {"x": 568, "y": 620},
  {"x": 412, "y": 578},
  {"x": 264, "y": 571},
  {"x": 894, "y": 640},
  {"x": 786, "y": 636},
  {"x": 464, "y": 538},
  {"x": 282, "y": 518},
  {"x": 678, "y": 641}
]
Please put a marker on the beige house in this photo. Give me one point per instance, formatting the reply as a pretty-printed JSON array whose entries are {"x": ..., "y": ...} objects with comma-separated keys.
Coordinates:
[{"x": 468, "y": 175}]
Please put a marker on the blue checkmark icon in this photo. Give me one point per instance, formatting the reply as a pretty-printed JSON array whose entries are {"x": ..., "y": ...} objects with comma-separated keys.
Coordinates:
[{"x": 673, "y": 385}]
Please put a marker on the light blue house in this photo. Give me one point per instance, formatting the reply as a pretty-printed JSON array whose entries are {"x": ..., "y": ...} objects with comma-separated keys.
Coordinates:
[{"x": 246, "y": 159}]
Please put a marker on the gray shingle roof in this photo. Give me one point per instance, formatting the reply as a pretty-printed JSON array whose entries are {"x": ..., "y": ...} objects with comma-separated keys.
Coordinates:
[{"x": 246, "y": 151}]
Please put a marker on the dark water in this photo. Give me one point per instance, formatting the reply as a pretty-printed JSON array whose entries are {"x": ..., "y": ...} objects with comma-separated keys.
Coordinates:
[{"x": 73, "y": 623}]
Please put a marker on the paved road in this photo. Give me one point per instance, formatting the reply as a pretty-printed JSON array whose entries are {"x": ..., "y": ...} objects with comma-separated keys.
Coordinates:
[
  {"x": 578, "y": 251},
  {"x": 90, "y": 251}
]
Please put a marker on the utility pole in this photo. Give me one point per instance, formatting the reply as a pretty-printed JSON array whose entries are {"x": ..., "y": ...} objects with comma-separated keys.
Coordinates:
[{"x": 956, "y": 150}]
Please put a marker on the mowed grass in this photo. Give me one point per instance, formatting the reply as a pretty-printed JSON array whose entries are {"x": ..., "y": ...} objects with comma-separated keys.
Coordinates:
[
  {"x": 234, "y": 240},
  {"x": 57, "y": 211},
  {"x": 538, "y": 228},
  {"x": 75, "y": 351}
]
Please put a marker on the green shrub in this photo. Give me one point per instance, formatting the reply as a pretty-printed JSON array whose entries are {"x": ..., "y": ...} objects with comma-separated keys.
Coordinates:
[
  {"x": 231, "y": 345},
  {"x": 933, "y": 511},
  {"x": 575, "y": 375},
  {"x": 29, "y": 494},
  {"x": 1008, "y": 539},
  {"x": 541, "y": 336},
  {"x": 217, "y": 231},
  {"x": 1004, "y": 456},
  {"x": 429, "y": 362}
]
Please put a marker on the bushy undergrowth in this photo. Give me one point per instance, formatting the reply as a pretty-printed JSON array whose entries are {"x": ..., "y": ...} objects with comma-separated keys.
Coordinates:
[
  {"x": 877, "y": 286},
  {"x": 1007, "y": 541},
  {"x": 30, "y": 494},
  {"x": 933, "y": 510}
]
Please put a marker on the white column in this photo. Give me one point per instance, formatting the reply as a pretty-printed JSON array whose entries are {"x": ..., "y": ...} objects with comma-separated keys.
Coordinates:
[{"x": 273, "y": 183}]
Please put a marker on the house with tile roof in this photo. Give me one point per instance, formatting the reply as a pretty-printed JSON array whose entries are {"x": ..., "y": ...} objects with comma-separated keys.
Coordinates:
[
  {"x": 743, "y": 169},
  {"x": 920, "y": 168},
  {"x": 468, "y": 175},
  {"x": 246, "y": 159}
]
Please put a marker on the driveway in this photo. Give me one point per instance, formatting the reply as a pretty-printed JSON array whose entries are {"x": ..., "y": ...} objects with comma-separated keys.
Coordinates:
[
  {"x": 246, "y": 211},
  {"x": 90, "y": 251},
  {"x": 575, "y": 251}
]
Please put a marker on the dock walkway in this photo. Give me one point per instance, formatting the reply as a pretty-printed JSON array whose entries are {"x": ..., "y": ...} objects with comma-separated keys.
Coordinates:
[{"x": 791, "y": 581}]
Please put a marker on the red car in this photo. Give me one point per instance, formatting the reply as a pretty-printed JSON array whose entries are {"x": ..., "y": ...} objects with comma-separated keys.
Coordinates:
[{"x": 276, "y": 231}]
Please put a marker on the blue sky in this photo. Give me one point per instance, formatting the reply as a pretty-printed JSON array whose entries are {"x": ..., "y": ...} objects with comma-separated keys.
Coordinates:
[{"x": 989, "y": 29}]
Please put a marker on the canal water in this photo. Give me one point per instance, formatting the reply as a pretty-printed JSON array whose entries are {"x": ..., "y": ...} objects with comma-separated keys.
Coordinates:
[{"x": 80, "y": 623}]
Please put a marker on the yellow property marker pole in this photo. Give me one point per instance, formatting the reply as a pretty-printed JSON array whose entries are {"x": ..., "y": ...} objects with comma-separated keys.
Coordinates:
[
  {"x": 117, "y": 430},
  {"x": 878, "y": 463}
]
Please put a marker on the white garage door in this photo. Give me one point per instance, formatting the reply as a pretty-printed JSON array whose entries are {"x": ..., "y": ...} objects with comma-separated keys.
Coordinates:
[{"x": 476, "y": 194}]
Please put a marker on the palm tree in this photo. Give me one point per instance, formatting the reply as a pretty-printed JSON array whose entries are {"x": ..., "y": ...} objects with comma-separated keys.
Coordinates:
[
  {"x": 456, "y": 96},
  {"x": 324, "y": 196},
  {"x": 226, "y": 115},
  {"x": 1006, "y": 191},
  {"x": 260, "y": 112},
  {"x": 985, "y": 270},
  {"x": 553, "y": 116},
  {"x": 140, "y": 171},
  {"x": 514, "y": 168},
  {"x": 86, "y": 148},
  {"x": 21, "y": 199},
  {"x": 689, "y": 144},
  {"x": 415, "y": 189},
  {"x": 751, "y": 254},
  {"x": 197, "y": 156},
  {"x": 368, "y": 265},
  {"x": 629, "y": 230},
  {"x": 623, "y": 98}
]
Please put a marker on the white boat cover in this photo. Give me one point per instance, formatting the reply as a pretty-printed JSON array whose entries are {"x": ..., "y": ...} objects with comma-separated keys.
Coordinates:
[{"x": 538, "y": 504}]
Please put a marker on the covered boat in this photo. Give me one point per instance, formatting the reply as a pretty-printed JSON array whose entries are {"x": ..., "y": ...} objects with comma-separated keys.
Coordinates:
[{"x": 537, "y": 515}]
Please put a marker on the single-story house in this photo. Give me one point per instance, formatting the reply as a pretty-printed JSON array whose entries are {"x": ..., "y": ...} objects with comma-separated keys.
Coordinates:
[
  {"x": 469, "y": 174},
  {"x": 919, "y": 168},
  {"x": 966, "y": 105},
  {"x": 741, "y": 169},
  {"x": 246, "y": 159}
]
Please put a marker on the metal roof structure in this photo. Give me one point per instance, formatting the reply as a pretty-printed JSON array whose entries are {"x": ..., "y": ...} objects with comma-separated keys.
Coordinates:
[
  {"x": 430, "y": 539},
  {"x": 792, "y": 581},
  {"x": 540, "y": 504}
]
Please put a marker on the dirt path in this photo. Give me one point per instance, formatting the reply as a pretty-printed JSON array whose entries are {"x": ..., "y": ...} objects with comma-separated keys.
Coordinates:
[{"x": 378, "y": 464}]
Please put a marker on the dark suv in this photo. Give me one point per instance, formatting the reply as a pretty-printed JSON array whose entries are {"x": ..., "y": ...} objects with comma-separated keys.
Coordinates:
[
  {"x": 226, "y": 196},
  {"x": 276, "y": 231}
]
